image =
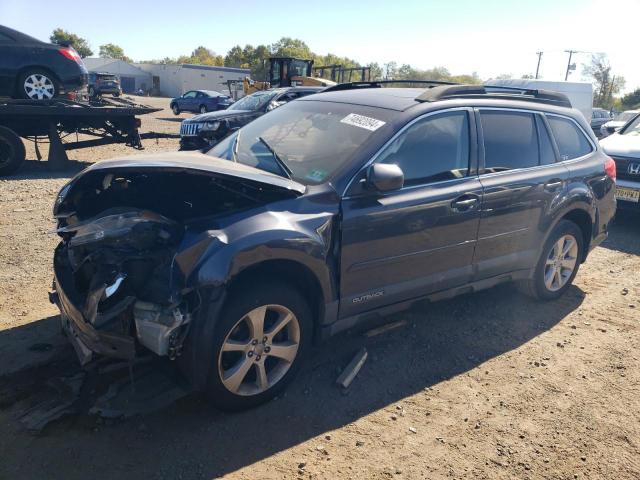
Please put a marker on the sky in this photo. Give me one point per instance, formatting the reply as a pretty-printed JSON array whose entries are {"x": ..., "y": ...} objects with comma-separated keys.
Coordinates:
[{"x": 488, "y": 37}]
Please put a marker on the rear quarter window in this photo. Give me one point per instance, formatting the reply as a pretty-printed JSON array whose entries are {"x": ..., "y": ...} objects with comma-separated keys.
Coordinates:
[{"x": 571, "y": 141}]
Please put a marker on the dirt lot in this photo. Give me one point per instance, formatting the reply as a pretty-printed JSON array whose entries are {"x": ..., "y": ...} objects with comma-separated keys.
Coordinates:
[{"x": 490, "y": 385}]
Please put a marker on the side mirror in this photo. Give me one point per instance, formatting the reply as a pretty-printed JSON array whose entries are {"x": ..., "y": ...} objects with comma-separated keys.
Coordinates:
[
  {"x": 385, "y": 177},
  {"x": 611, "y": 129}
]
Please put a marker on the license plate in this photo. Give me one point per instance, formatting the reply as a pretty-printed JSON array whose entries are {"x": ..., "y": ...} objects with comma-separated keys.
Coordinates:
[{"x": 628, "y": 194}]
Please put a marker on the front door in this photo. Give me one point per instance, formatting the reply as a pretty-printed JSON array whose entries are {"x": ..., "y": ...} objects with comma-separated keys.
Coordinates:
[
  {"x": 520, "y": 180},
  {"x": 421, "y": 238}
]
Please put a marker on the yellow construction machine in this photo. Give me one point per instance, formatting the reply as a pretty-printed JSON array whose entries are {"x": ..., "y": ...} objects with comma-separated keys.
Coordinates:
[{"x": 286, "y": 72}]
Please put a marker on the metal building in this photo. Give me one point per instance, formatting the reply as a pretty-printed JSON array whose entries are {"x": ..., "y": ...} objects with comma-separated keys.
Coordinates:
[
  {"x": 132, "y": 78},
  {"x": 174, "y": 80}
]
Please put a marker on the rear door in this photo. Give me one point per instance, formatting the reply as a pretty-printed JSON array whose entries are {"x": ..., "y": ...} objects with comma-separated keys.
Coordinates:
[
  {"x": 521, "y": 180},
  {"x": 419, "y": 239}
]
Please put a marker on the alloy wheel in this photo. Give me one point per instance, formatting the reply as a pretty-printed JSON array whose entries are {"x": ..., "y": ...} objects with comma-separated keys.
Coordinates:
[
  {"x": 259, "y": 350},
  {"x": 39, "y": 87},
  {"x": 561, "y": 263}
]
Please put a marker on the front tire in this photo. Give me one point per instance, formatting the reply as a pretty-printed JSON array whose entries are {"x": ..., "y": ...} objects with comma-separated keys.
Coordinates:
[
  {"x": 558, "y": 264},
  {"x": 175, "y": 109},
  {"x": 262, "y": 335},
  {"x": 37, "y": 84}
]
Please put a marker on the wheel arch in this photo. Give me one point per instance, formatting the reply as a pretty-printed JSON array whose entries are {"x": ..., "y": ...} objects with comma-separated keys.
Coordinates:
[
  {"x": 583, "y": 220},
  {"x": 292, "y": 272}
]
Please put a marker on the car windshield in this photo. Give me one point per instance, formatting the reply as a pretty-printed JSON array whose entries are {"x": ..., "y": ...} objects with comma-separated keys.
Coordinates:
[
  {"x": 253, "y": 102},
  {"x": 633, "y": 128},
  {"x": 313, "y": 139},
  {"x": 625, "y": 116}
]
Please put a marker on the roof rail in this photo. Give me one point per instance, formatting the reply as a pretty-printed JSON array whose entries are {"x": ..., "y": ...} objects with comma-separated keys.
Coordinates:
[
  {"x": 381, "y": 83},
  {"x": 492, "y": 91}
]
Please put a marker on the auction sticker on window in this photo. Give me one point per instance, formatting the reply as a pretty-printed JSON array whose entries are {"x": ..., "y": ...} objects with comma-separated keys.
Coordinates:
[{"x": 361, "y": 121}]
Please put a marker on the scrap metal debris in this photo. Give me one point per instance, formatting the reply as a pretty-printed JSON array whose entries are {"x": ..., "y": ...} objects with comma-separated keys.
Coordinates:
[
  {"x": 349, "y": 373},
  {"x": 57, "y": 400}
]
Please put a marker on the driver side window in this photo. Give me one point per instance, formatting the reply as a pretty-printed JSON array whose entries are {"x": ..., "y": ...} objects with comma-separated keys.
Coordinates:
[{"x": 431, "y": 150}]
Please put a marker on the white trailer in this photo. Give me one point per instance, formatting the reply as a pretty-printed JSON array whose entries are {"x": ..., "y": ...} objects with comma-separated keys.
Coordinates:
[{"x": 579, "y": 93}]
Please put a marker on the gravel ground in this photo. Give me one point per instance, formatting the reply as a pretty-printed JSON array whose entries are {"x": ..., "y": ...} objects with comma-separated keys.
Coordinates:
[{"x": 490, "y": 385}]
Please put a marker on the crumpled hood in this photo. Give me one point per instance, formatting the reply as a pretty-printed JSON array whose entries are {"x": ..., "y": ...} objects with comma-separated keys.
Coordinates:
[
  {"x": 218, "y": 115},
  {"x": 196, "y": 161},
  {"x": 622, "y": 145}
]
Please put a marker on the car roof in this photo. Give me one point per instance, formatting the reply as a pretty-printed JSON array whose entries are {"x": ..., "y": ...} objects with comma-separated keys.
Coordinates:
[
  {"x": 19, "y": 36},
  {"x": 212, "y": 93},
  {"x": 398, "y": 99}
]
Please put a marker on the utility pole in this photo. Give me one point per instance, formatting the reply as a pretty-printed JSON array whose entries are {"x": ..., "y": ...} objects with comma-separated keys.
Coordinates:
[
  {"x": 538, "y": 67},
  {"x": 570, "y": 52}
]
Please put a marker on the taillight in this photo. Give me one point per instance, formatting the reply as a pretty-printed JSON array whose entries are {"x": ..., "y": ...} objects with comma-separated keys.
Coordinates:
[
  {"x": 610, "y": 168},
  {"x": 70, "y": 54}
]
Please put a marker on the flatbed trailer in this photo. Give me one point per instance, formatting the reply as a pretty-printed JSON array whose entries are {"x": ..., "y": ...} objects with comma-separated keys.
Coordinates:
[{"x": 109, "y": 122}]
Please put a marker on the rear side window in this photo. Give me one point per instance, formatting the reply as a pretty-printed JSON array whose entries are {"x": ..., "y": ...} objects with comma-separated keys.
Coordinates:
[
  {"x": 510, "y": 140},
  {"x": 571, "y": 142},
  {"x": 547, "y": 153},
  {"x": 431, "y": 150}
]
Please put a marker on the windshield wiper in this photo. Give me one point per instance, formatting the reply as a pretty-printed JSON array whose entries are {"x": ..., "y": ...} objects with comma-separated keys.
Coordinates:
[{"x": 283, "y": 166}]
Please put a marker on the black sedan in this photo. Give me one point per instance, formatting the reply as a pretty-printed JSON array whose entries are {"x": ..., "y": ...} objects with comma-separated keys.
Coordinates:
[
  {"x": 200, "y": 101},
  {"x": 206, "y": 130},
  {"x": 37, "y": 70}
]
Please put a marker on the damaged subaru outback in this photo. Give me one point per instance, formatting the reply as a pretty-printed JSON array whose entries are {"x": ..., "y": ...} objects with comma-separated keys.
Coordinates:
[{"x": 330, "y": 211}]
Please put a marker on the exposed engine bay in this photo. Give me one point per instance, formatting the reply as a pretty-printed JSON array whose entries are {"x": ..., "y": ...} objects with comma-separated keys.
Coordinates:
[{"x": 115, "y": 267}]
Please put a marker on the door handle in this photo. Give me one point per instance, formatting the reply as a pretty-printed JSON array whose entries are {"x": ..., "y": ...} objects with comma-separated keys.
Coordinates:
[
  {"x": 465, "y": 203},
  {"x": 554, "y": 184}
]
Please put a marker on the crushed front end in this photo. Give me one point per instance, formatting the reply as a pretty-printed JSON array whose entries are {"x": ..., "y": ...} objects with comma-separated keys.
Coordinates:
[{"x": 113, "y": 285}]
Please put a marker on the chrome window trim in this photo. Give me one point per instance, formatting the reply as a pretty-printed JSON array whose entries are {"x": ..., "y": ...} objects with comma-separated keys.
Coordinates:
[{"x": 373, "y": 158}]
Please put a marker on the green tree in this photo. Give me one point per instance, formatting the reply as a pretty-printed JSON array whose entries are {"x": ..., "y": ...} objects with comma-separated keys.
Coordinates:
[
  {"x": 235, "y": 57},
  {"x": 631, "y": 100},
  {"x": 376, "y": 71},
  {"x": 202, "y": 56},
  {"x": 605, "y": 83},
  {"x": 111, "y": 50},
  {"x": 291, "y": 47},
  {"x": 62, "y": 37}
]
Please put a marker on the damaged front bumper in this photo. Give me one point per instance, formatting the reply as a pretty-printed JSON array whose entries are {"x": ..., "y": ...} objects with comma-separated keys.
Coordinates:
[{"x": 86, "y": 339}]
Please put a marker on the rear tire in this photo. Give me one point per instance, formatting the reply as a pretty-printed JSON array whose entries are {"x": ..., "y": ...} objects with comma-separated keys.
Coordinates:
[
  {"x": 203, "y": 109},
  {"x": 37, "y": 84},
  {"x": 92, "y": 92},
  {"x": 558, "y": 263},
  {"x": 246, "y": 371},
  {"x": 12, "y": 152}
]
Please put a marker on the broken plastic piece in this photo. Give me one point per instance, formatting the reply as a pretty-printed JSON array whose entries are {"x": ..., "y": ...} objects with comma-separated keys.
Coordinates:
[{"x": 349, "y": 373}]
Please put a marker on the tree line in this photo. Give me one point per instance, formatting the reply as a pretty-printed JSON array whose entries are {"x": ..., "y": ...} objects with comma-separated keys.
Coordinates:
[{"x": 607, "y": 85}]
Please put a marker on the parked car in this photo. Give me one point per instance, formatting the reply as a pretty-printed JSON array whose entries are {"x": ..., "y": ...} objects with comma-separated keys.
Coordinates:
[
  {"x": 201, "y": 101},
  {"x": 624, "y": 147},
  {"x": 599, "y": 116},
  {"x": 101, "y": 83},
  {"x": 208, "y": 129},
  {"x": 332, "y": 210},
  {"x": 36, "y": 70},
  {"x": 617, "y": 123}
]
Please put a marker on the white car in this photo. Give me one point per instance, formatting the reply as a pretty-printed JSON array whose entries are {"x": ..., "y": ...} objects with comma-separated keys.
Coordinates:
[
  {"x": 618, "y": 122},
  {"x": 624, "y": 147}
]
